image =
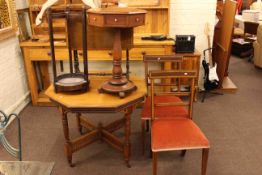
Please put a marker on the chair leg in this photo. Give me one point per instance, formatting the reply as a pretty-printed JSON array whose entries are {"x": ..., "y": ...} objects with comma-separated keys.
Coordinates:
[
  {"x": 78, "y": 115},
  {"x": 154, "y": 163},
  {"x": 143, "y": 124},
  {"x": 183, "y": 153},
  {"x": 147, "y": 125},
  {"x": 205, "y": 152},
  {"x": 204, "y": 96}
]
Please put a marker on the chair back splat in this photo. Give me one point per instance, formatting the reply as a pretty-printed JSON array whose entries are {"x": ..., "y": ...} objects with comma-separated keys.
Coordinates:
[
  {"x": 180, "y": 75},
  {"x": 152, "y": 61}
]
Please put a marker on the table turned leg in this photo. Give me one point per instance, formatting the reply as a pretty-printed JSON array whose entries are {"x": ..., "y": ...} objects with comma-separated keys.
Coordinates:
[
  {"x": 127, "y": 143},
  {"x": 68, "y": 147},
  {"x": 79, "y": 126}
]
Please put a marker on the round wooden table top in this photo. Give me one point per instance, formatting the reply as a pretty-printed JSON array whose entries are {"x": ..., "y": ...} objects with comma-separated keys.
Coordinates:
[{"x": 92, "y": 101}]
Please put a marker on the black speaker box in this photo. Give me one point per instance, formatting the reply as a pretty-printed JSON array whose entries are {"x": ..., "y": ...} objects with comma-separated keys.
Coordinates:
[{"x": 185, "y": 44}]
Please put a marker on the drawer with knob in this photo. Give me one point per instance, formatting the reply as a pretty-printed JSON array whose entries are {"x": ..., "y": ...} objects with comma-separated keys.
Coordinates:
[
  {"x": 95, "y": 20},
  {"x": 137, "y": 20},
  {"x": 116, "y": 20},
  {"x": 38, "y": 54}
]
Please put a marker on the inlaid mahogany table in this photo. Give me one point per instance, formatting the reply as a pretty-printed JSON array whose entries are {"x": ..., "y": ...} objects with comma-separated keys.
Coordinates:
[
  {"x": 122, "y": 21},
  {"x": 95, "y": 102}
]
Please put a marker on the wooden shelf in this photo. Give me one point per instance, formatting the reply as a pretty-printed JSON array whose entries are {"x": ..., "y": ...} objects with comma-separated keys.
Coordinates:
[{"x": 45, "y": 25}]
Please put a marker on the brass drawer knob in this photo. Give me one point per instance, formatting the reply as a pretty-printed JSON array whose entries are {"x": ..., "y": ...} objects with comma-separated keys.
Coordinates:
[
  {"x": 116, "y": 19},
  {"x": 137, "y": 19},
  {"x": 94, "y": 19}
]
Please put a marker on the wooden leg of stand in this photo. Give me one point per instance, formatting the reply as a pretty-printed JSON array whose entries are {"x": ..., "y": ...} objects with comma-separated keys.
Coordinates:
[
  {"x": 143, "y": 136},
  {"x": 183, "y": 153},
  {"x": 127, "y": 145},
  {"x": 68, "y": 148},
  {"x": 147, "y": 125},
  {"x": 78, "y": 115},
  {"x": 204, "y": 96},
  {"x": 154, "y": 163},
  {"x": 204, "y": 161}
]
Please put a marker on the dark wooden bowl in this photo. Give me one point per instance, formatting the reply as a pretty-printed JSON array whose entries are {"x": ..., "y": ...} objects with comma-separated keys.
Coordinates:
[{"x": 71, "y": 83}]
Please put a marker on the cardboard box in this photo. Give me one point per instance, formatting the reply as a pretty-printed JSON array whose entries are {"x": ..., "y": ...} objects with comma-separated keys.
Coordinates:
[{"x": 250, "y": 15}]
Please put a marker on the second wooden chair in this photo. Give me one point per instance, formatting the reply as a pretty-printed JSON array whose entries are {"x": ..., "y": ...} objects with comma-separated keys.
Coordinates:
[
  {"x": 175, "y": 133},
  {"x": 154, "y": 62}
]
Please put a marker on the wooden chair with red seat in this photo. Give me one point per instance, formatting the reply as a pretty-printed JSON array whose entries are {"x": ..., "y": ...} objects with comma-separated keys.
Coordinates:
[
  {"x": 152, "y": 62},
  {"x": 175, "y": 133}
]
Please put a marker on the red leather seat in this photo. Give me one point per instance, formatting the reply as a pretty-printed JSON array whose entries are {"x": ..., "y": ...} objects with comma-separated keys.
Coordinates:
[{"x": 178, "y": 134}]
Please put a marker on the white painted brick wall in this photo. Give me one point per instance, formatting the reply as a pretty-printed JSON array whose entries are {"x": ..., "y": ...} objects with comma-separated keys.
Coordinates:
[
  {"x": 13, "y": 83},
  {"x": 190, "y": 17}
]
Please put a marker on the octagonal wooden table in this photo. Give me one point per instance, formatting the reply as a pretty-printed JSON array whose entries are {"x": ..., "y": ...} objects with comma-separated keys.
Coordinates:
[{"x": 94, "y": 102}]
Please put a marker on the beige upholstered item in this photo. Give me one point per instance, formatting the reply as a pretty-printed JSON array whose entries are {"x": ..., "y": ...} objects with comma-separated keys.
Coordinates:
[{"x": 258, "y": 48}]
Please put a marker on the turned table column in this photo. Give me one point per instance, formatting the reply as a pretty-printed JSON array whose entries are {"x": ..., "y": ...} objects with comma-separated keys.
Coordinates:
[{"x": 118, "y": 19}]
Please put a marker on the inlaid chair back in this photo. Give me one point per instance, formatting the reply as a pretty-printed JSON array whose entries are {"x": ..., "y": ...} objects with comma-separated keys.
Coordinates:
[
  {"x": 155, "y": 62},
  {"x": 187, "y": 97}
]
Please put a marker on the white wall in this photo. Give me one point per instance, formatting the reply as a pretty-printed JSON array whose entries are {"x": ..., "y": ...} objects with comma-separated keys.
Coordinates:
[
  {"x": 21, "y": 4},
  {"x": 190, "y": 17},
  {"x": 14, "y": 94}
]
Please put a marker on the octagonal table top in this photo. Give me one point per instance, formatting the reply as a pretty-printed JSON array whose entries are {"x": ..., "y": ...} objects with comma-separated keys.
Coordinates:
[
  {"x": 117, "y": 10},
  {"x": 92, "y": 101}
]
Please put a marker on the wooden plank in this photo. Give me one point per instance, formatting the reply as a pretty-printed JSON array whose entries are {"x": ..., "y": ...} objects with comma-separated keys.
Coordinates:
[
  {"x": 31, "y": 76},
  {"x": 43, "y": 100},
  {"x": 221, "y": 53},
  {"x": 44, "y": 74},
  {"x": 227, "y": 87}
]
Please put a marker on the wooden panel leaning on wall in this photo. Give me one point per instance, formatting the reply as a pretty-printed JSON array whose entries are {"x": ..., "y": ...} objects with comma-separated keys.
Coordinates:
[
  {"x": 222, "y": 45},
  {"x": 157, "y": 22}
]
